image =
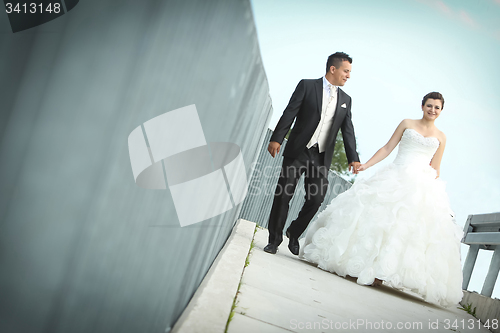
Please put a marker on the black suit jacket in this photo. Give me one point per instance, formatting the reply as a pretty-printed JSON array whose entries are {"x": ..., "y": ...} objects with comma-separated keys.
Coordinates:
[{"x": 305, "y": 106}]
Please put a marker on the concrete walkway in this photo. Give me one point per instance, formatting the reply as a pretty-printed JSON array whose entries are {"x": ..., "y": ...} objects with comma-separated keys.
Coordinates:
[{"x": 281, "y": 293}]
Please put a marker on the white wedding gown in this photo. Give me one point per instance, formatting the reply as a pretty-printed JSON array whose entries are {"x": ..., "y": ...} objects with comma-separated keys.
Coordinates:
[{"x": 395, "y": 226}]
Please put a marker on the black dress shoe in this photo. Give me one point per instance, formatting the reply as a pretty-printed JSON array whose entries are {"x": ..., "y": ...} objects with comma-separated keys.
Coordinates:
[
  {"x": 271, "y": 248},
  {"x": 293, "y": 244}
]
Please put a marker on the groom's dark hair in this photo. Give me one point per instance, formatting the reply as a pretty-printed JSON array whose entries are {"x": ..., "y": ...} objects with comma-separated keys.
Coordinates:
[
  {"x": 336, "y": 60},
  {"x": 433, "y": 95}
]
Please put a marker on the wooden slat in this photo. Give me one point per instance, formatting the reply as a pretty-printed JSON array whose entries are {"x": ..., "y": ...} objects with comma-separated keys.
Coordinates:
[
  {"x": 487, "y": 238},
  {"x": 492, "y": 218},
  {"x": 486, "y": 228}
]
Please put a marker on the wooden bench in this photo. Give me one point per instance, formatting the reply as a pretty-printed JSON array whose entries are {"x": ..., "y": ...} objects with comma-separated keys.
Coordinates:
[{"x": 482, "y": 231}]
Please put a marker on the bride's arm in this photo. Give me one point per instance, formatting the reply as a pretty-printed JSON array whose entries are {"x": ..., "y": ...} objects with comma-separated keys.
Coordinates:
[
  {"x": 388, "y": 148},
  {"x": 438, "y": 155}
]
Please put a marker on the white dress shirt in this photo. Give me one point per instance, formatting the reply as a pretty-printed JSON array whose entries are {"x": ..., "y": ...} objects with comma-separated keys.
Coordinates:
[{"x": 327, "y": 112}]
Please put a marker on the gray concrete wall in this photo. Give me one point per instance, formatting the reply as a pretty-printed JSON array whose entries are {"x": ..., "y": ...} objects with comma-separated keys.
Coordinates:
[
  {"x": 83, "y": 249},
  {"x": 487, "y": 309}
]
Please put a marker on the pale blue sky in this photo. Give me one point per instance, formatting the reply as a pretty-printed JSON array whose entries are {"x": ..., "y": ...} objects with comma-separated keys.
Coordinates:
[{"x": 402, "y": 50}]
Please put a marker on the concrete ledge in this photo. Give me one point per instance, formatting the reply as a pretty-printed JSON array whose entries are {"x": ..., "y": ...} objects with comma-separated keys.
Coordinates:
[
  {"x": 210, "y": 306},
  {"x": 486, "y": 308}
]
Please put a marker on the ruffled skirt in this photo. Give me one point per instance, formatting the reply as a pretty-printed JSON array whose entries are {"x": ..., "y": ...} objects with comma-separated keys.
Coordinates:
[{"x": 396, "y": 226}]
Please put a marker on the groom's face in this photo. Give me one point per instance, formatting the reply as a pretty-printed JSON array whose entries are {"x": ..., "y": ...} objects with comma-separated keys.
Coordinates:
[{"x": 341, "y": 74}]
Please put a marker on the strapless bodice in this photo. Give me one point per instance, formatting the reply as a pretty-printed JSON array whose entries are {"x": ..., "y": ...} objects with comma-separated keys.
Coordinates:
[{"x": 416, "y": 149}]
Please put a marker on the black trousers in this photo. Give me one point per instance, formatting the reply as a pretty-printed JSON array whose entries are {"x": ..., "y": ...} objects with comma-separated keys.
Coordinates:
[{"x": 310, "y": 163}]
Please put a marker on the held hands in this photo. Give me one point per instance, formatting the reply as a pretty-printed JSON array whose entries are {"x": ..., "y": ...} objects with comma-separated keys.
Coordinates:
[
  {"x": 357, "y": 167},
  {"x": 273, "y": 148},
  {"x": 362, "y": 167},
  {"x": 354, "y": 166}
]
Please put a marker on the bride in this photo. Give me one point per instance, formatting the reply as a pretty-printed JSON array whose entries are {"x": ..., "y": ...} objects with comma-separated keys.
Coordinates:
[{"x": 397, "y": 225}]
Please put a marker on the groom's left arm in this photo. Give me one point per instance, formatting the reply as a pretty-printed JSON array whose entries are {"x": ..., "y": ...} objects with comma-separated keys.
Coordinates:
[{"x": 348, "y": 136}]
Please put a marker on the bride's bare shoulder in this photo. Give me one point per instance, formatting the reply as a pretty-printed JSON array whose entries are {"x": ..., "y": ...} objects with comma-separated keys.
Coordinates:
[
  {"x": 440, "y": 136},
  {"x": 410, "y": 123},
  {"x": 407, "y": 123}
]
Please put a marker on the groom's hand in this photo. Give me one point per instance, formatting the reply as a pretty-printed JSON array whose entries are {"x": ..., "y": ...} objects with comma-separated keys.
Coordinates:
[
  {"x": 354, "y": 166},
  {"x": 273, "y": 148}
]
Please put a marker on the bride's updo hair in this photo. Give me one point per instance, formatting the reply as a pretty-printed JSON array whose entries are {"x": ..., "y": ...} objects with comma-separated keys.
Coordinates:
[{"x": 433, "y": 95}]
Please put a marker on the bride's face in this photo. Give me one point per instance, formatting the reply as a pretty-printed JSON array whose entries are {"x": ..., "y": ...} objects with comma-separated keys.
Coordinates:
[{"x": 432, "y": 109}]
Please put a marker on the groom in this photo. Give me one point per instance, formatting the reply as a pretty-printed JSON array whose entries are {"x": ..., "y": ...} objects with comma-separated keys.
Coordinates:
[{"x": 320, "y": 108}]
